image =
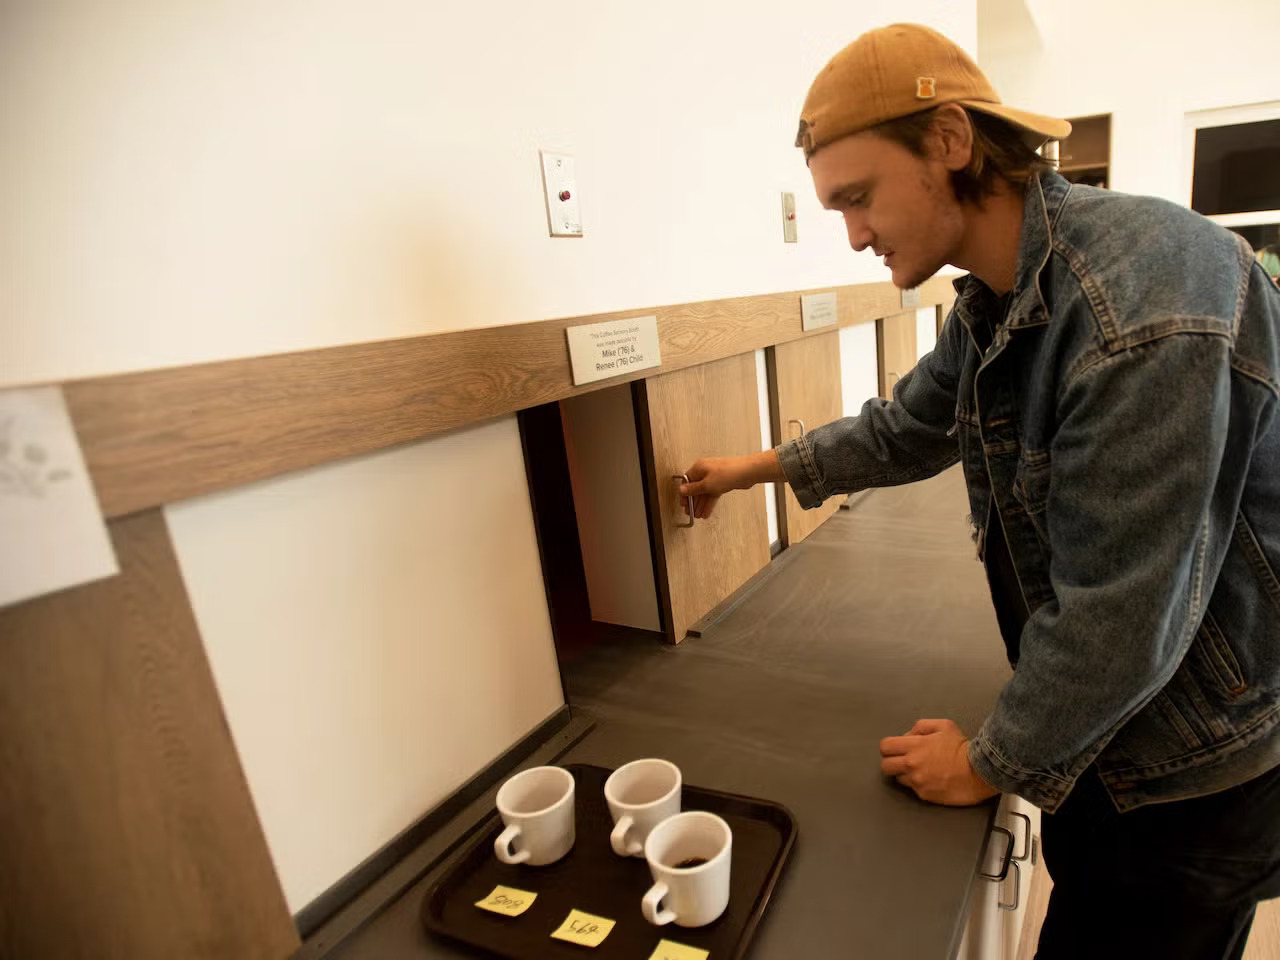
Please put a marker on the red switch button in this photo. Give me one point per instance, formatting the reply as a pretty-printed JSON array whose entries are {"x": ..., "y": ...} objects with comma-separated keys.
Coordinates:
[{"x": 564, "y": 195}]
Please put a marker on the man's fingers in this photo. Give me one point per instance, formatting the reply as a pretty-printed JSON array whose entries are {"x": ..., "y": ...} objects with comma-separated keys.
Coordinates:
[
  {"x": 894, "y": 766},
  {"x": 922, "y": 727},
  {"x": 703, "y": 504},
  {"x": 897, "y": 746}
]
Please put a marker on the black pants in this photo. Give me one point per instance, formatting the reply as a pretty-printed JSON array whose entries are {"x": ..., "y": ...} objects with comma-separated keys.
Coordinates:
[{"x": 1169, "y": 881}]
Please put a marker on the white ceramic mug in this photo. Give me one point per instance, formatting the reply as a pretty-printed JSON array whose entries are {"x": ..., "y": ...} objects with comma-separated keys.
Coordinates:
[
  {"x": 537, "y": 807},
  {"x": 640, "y": 795},
  {"x": 695, "y": 895}
]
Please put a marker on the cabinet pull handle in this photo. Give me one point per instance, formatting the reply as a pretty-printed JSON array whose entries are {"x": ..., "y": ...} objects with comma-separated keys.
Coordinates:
[
  {"x": 803, "y": 431},
  {"x": 1005, "y": 860},
  {"x": 1017, "y": 889},
  {"x": 1026, "y": 843},
  {"x": 684, "y": 478}
]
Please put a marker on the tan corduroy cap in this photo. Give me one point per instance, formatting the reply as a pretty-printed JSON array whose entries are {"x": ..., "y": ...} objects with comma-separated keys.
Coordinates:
[{"x": 898, "y": 70}]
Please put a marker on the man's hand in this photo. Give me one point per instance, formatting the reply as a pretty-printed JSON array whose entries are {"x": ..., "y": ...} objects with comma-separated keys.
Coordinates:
[
  {"x": 712, "y": 477},
  {"x": 933, "y": 760}
]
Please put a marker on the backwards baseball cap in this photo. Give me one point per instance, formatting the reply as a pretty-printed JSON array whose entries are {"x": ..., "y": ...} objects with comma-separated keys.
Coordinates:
[{"x": 899, "y": 70}]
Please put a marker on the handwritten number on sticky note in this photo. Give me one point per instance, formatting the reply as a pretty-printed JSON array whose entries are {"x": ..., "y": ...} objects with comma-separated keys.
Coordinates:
[
  {"x": 584, "y": 928},
  {"x": 670, "y": 950},
  {"x": 507, "y": 901}
]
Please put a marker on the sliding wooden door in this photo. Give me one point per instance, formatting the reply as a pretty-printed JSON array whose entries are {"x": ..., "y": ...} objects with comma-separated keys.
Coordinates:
[
  {"x": 804, "y": 377},
  {"x": 708, "y": 410},
  {"x": 896, "y": 340}
]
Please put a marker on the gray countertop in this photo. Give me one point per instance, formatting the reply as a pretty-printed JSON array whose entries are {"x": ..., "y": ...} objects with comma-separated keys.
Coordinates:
[{"x": 878, "y": 619}]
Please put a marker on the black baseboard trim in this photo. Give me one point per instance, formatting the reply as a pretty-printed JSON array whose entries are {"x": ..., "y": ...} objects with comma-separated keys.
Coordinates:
[
  {"x": 315, "y": 914},
  {"x": 720, "y": 610}
]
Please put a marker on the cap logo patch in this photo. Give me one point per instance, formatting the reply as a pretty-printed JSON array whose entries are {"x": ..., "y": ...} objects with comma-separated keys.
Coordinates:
[
  {"x": 804, "y": 136},
  {"x": 925, "y": 88}
]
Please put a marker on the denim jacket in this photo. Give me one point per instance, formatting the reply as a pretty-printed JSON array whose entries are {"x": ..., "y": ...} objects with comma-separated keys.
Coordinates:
[{"x": 1121, "y": 429}]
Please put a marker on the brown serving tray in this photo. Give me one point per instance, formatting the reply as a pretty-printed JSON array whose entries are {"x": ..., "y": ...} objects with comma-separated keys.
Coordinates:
[{"x": 592, "y": 878}]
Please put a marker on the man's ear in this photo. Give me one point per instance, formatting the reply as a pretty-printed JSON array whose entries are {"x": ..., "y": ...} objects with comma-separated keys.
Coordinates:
[{"x": 950, "y": 139}]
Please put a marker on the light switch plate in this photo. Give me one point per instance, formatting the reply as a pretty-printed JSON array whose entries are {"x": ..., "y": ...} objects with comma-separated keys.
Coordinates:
[
  {"x": 789, "y": 218},
  {"x": 560, "y": 185}
]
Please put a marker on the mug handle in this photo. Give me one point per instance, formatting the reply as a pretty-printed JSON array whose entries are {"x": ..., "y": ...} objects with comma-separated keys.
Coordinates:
[
  {"x": 502, "y": 846},
  {"x": 649, "y": 906},
  {"x": 621, "y": 846}
]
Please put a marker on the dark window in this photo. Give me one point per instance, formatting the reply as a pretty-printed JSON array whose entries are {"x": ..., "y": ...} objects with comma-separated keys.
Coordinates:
[
  {"x": 1237, "y": 168},
  {"x": 1260, "y": 235}
]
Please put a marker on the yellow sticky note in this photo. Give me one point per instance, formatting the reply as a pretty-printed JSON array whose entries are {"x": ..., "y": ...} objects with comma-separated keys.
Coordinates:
[
  {"x": 669, "y": 950},
  {"x": 584, "y": 928},
  {"x": 507, "y": 901}
]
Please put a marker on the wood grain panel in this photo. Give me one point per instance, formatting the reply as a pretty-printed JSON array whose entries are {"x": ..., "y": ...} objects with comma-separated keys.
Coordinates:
[
  {"x": 126, "y": 824},
  {"x": 804, "y": 380},
  {"x": 166, "y": 435},
  {"x": 708, "y": 410},
  {"x": 896, "y": 343},
  {"x": 1264, "y": 938}
]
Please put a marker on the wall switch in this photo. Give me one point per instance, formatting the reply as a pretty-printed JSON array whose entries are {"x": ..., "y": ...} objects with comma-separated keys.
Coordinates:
[
  {"x": 560, "y": 185},
  {"x": 789, "y": 218}
]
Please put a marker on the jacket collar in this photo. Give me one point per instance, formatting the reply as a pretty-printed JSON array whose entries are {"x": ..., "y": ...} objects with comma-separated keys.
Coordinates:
[{"x": 1042, "y": 205}]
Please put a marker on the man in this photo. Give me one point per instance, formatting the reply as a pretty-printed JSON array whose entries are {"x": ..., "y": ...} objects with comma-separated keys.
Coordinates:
[{"x": 1108, "y": 379}]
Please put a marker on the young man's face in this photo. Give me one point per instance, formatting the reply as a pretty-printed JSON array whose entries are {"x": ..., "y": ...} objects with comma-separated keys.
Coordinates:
[{"x": 900, "y": 205}]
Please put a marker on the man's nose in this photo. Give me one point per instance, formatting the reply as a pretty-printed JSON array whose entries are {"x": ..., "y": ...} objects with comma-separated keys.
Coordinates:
[{"x": 859, "y": 235}]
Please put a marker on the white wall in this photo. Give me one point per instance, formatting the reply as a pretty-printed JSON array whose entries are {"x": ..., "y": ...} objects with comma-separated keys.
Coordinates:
[
  {"x": 1146, "y": 66},
  {"x": 239, "y": 178},
  {"x": 352, "y": 613},
  {"x": 186, "y": 182},
  {"x": 859, "y": 367},
  {"x": 926, "y": 330},
  {"x": 766, "y": 443},
  {"x": 608, "y": 500}
]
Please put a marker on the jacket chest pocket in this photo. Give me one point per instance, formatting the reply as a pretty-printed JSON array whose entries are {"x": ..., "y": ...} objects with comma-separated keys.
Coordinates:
[
  {"x": 1031, "y": 489},
  {"x": 1216, "y": 660}
]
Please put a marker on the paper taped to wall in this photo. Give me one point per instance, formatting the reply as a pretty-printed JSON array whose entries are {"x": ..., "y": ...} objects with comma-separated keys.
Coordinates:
[{"x": 52, "y": 535}]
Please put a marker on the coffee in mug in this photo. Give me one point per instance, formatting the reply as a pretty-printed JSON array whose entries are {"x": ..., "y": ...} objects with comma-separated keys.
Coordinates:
[{"x": 689, "y": 857}]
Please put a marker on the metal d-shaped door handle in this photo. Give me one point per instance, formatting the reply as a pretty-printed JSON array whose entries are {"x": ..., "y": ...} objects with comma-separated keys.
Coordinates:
[
  {"x": 1026, "y": 844},
  {"x": 803, "y": 431},
  {"x": 1017, "y": 889},
  {"x": 1005, "y": 860},
  {"x": 684, "y": 478}
]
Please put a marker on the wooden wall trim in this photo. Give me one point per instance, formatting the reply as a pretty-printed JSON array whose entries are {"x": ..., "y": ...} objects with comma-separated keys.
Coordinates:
[
  {"x": 126, "y": 822},
  {"x": 160, "y": 436}
]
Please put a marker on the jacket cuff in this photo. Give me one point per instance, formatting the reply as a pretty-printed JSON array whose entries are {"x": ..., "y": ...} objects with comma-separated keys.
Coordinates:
[
  {"x": 1046, "y": 792},
  {"x": 796, "y": 458}
]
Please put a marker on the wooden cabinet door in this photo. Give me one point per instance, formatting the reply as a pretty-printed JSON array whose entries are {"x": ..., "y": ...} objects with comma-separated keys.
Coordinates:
[
  {"x": 896, "y": 342},
  {"x": 708, "y": 410},
  {"x": 804, "y": 380}
]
